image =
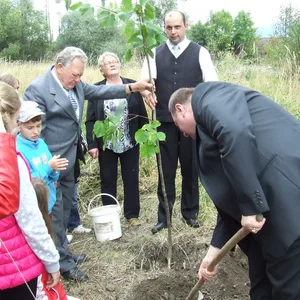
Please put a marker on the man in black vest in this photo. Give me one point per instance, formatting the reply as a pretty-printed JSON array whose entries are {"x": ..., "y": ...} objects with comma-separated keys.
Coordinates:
[{"x": 177, "y": 63}]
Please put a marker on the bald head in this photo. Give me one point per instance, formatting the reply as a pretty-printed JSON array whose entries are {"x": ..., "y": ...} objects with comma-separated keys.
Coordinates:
[
  {"x": 175, "y": 26},
  {"x": 175, "y": 14}
]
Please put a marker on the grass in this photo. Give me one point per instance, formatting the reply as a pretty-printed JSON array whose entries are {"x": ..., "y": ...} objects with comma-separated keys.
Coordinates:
[{"x": 117, "y": 267}]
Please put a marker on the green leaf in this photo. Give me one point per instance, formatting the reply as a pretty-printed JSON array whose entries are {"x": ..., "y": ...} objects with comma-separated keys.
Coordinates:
[
  {"x": 147, "y": 150},
  {"x": 74, "y": 6},
  {"x": 134, "y": 37},
  {"x": 129, "y": 28},
  {"x": 99, "y": 128},
  {"x": 143, "y": 2},
  {"x": 126, "y": 6},
  {"x": 150, "y": 52},
  {"x": 149, "y": 12},
  {"x": 148, "y": 126},
  {"x": 151, "y": 41},
  {"x": 106, "y": 18},
  {"x": 155, "y": 124},
  {"x": 141, "y": 136},
  {"x": 68, "y": 4},
  {"x": 86, "y": 8},
  {"x": 144, "y": 31},
  {"x": 124, "y": 17},
  {"x": 161, "y": 136},
  {"x": 138, "y": 9},
  {"x": 152, "y": 139},
  {"x": 128, "y": 55}
]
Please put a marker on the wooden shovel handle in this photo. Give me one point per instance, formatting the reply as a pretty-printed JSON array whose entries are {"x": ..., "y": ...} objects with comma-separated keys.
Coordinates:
[{"x": 238, "y": 236}]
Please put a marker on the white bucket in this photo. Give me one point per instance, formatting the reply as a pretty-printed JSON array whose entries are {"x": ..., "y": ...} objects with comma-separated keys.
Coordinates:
[{"x": 106, "y": 220}]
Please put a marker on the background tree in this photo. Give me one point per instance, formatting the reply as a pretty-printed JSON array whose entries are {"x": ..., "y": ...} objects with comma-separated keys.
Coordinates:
[
  {"x": 285, "y": 44},
  {"x": 24, "y": 32},
  {"x": 243, "y": 34},
  {"x": 85, "y": 31},
  {"x": 286, "y": 17},
  {"x": 220, "y": 31},
  {"x": 199, "y": 33},
  {"x": 161, "y": 7}
]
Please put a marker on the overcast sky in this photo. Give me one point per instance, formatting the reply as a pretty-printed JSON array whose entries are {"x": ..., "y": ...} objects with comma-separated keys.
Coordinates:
[{"x": 263, "y": 12}]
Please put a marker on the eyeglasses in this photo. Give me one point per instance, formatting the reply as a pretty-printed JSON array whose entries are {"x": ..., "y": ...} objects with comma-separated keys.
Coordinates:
[{"x": 113, "y": 62}]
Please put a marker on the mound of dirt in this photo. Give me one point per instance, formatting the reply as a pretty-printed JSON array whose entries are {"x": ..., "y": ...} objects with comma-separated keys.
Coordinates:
[{"x": 231, "y": 283}]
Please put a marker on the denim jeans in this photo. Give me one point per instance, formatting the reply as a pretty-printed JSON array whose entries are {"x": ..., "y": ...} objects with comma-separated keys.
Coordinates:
[{"x": 74, "y": 219}]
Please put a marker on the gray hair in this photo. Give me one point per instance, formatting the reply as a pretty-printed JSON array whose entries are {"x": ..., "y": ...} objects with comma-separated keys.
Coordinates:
[
  {"x": 66, "y": 56},
  {"x": 181, "y": 96},
  {"x": 103, "y": 56}
]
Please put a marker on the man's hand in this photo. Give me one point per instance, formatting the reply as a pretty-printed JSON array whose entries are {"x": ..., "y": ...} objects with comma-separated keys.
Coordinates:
[
  {"x": 203, "y": 273},
  {"x": 53, "y": 280},
  {"x": 94, "y": 153},
  {"x": 250, "y": 223},
  {"x": 140, "y": 86},
  {"x": 57, "y": 163}
]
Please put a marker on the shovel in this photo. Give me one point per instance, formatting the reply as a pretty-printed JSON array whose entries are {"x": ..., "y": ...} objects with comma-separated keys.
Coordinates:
[{"x": 238, "y": 236}]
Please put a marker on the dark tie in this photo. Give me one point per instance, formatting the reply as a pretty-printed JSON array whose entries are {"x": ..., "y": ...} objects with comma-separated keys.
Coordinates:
[{"x": 72, "y": 100}]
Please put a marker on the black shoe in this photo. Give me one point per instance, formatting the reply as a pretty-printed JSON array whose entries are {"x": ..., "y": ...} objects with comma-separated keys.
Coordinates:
[
  {"x": 158, "y": 227},
  {"x": 80, "y": 258},
  {"x": 194, "y": 223},
  {"x": 75, "y": 274}
]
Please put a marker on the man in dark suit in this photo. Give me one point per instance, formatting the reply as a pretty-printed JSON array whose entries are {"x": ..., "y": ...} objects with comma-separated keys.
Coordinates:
[
  {"x": 248, "y": 155},
  {"x": 177, "y": 63},
  {"x": 60, "y": 93}
]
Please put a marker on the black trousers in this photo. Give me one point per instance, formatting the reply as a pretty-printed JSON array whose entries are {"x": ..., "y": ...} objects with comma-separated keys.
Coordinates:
[
  {"x": 108, "y": 162},
  {"x": 20, "y": 292},
  {"x": 177, "y": 146},
  {"x": 274, "y": 278}
]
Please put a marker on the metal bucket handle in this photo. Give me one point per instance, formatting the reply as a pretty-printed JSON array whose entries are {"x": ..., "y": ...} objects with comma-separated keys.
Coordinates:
[{"x": 105, "y": 194}]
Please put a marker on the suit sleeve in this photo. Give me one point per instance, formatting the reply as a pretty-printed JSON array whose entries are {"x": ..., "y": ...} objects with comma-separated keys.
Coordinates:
[
  {"x": 103, "y": 92},
  {"x": 9, "y": 176},
  {"x": 223, "y": 113},
  {"x": 220, "y": 234}
]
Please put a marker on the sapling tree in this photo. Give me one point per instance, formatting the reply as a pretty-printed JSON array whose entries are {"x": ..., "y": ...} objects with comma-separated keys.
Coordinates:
[{"x": 143, "y": 35}]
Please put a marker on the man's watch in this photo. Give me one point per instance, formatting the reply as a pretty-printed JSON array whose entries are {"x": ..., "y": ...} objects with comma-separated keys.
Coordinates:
[{"x": 130, "y": 88}]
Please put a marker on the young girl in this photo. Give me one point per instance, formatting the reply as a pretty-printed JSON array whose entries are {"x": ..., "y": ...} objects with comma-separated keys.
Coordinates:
[
  {"x": 57, "y": 292},
  {"x": 11, "y": 80},
  {"x": 26, "y": 248}
]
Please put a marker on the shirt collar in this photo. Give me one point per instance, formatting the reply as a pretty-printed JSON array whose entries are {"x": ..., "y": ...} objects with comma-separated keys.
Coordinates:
[{"x": 182, "y": 45}]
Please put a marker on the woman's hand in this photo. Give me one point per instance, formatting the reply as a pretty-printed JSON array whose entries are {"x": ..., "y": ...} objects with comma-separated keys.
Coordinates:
[{"x": 94, "y": 153}]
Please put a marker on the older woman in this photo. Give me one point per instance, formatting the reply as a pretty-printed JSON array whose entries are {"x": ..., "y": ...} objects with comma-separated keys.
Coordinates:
[{"x": 125, "y": 149}]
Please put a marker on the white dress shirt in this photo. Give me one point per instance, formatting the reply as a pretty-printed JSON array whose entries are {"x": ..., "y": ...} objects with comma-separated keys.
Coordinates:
[{"x": 208, "y": 70}]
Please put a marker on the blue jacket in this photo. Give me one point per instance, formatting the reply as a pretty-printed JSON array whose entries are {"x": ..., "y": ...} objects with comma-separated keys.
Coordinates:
[{"x": 37, "y": 155}]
